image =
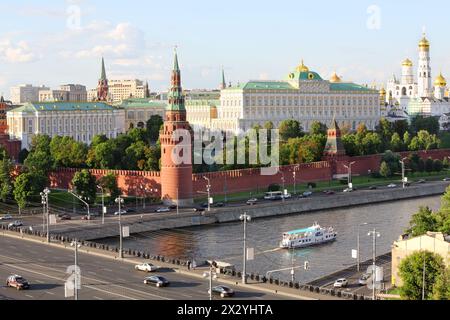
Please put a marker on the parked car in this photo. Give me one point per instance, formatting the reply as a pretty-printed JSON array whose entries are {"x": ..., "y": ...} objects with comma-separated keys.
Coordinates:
[
  {"x": 329, "y": 192},
  {"x": 199, "y": 209},
  {"x": 205, "y": 205},
  {"x": 373, "y": 188},
  {"x": 219, "y": 205},
  {"x": 364, "y": 278},
  {"x": 446, "y": 179},
  {"x": 15, "y": 224},
  {"x": 173, "y": 207},
  {"x": 65, "y": 217},
  {"x": 222, "y": 291},
  {"x": 341, "y": 283},
  {"x": 18, "y": 282},
  {"x": 6, "y": 217},
  {"x": 422, "y": 181},
  {"x": 287, "y": 196},
  {"x": 130, "y": 210},
  {"x": 88, "y": 218},
  {"x": 307, "y": 194},
  {"x": 162, "y": 209},
  {"x": 157, "y": 281},
  {"x": 392, "y": 185},
  {"x": 120, "y": 213},
  {"x": 147, "y": 267},
  {"x": 349, "y": 190},
  {"x": 252, "y": 201}
]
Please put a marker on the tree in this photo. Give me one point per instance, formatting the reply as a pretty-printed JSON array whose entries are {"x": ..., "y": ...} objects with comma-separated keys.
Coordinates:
[
  {"x": 429, "y": 165},
  {"x": 446, "y": 163},
  {"x": 67, "y": 152},
  {"x": 424, "y": 141},
  {"x": 385, "y": 130},
  {"x": 396, "y": 143},
  {"x": 290, "y": 129},
  {"x": 40, "y": 162},
  {"x": 153, "y": 126},
  {"x": 393, "y": 161},
  {"x": 350, "y": 145},
  {"x": 27, "y": 186},
  {"x": 406, "y": 139},
  {"x": 413, "y": 162},
  {"x": 385, "y": 171},
  {"x": 437, "y": 165},
  {"x": 6, "y": 185},
  {"x": 411, "y": 273},
  {"x": 102, "y": 156},
  {"x": 109, "y": 185},
  {"x": 96, "y": 140},
  {"x": 23, "y": 154},
  {"x": 85, "y": 185},
  {"x": 400, "y": 127},
  {"x": 429, "y": 124},
  {"x": 371, "y": 144},
  {"x": 41, "y": 142},
  {"x": 422, "y": 222},
  {"x": 441, "y": 288},
  {"x": 318, "y": 128},
  {"x": 153, "y": 155}
]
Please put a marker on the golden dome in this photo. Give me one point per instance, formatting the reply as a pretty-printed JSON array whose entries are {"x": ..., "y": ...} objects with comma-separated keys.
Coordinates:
[
  {"x": 382, "y": 92},
  {"x": 335, "y": 78},
  {"x": 302, "y": 68},
  {"x": 407, "y": 63},
  {"x": 440, "y": 81},
  {"x": 424, "y": 43}
]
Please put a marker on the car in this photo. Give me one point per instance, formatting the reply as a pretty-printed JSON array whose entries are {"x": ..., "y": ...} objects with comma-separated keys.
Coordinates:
[
  {"x": 198, "y": 209},
  {"x": 341, "y": 283},
  {"x": 222, "y": 291},
  {"x": 373, "y": 188},
  {"x": 86, "y": 217},
  {"x": 120, "y": 213},
  {"x": 392, "y": 185},
  {"x": 205, "y": 205},
  {"x": 422, "y": 181},
  {"x": 18, "y": 282},
  {"x": 130, "y": 210},
  {"x": 15, "y": 224},
  {"x": 252, "y": 201},
  {"x": 287, "y": 196},
  {"x": 446, "y": 179},
  {"x": 307, "y": 194},
  {"x": 162, "y": 209},
  {"x": 329, "y": 192},
  {"x": 157, "y": 281},
  {"x": 173, "y": 207},
  {"x": 6, "y": 217},
  {"x": 147, "y": 267},
  {"x": 349, "y": 190},
  {"x": 65, "y": 217},
  {"x": 364, "y": 278},
  {"x": 219, "y": 205}
]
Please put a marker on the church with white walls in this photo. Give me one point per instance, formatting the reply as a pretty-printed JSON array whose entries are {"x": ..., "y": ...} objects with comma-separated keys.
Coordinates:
[{"x": 412, "y": 95}]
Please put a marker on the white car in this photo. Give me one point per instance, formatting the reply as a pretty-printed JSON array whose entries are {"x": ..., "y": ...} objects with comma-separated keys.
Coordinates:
[
  {"x": 165, "y": 209},
  {"x": 307, "y": 194},
  {"x": 392, "y": 186},
  {"x": 15, "y": 224},
  {"x": 6, "y": 217},
  {"x": 341, "y": 283},
  {"x": 121, "y": 212},
  {"x": 348, "y": 190},
  {"x": 287, "y": 196},
  {"x": 147, "y": 267}
]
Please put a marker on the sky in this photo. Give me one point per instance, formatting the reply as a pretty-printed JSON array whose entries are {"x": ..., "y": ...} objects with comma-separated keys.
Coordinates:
[{"x": 54, "y": 42}]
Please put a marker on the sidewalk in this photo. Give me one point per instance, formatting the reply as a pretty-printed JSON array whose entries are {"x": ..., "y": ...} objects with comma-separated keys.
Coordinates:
[{"x": 289, "y": 293}]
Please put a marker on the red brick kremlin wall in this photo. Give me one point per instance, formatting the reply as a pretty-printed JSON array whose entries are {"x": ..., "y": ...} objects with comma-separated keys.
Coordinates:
[{"x": 239, "y": 180}]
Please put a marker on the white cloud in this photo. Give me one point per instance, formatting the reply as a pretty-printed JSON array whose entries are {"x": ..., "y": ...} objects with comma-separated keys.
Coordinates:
[{"x": 18, "y": 52}]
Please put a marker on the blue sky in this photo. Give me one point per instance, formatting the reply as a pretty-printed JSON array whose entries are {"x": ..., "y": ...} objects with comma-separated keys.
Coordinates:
[{"x": 42, "y": 43}]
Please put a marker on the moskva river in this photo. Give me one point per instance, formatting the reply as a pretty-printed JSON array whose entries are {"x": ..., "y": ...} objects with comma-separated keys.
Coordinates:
[{"x": 225, "y": 242}]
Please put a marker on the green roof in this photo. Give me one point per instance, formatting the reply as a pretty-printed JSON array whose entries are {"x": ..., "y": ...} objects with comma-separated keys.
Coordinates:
[
  {"x": 63, "y": 106},
  {"x": 142, "y": 103},
  {"x": 264, "y": 85},
  {"x": 341, "y": 86},
  {"x": 310, "y": 75}
]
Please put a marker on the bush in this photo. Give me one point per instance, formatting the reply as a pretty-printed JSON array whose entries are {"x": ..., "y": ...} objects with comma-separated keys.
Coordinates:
[
  {"x": 437, "y": 165},
  {"x": 421, "y": 165},
  {"x": 274, "y": 187},
  {"x": 311, "y": 185},
  {"x": 343, "y": 181},
  {"x": 446, "y": 163},
  {"x": 429, "y": 165}
]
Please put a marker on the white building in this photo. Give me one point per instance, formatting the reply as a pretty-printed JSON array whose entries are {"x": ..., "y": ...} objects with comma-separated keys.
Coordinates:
[
  {"x": 303, "y": 96},
  {"x": 81, "y": 121},
  {"x": 418, "y": 95},
  {"x": 120, "y": 90},
  {"x": 68, "y": 92},
  {"x": 26, "y": 93}
]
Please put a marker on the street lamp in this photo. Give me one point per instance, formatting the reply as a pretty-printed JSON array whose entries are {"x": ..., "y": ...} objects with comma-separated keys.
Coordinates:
[
  {"x": 44, "y": 196},
  {"x": 283, "y": 180},
  {"x": 349, "y": 167},
  {"x": 103, "y": 204},
  {"x": 245, "y": 218},
  {"x": 120, "y": 201},
  {"x": 208, "y": 190},
  {"x": 212, "y": 276},
  {"x": 358, "y": 257},
  {"x": 81, "y": 199},
  {"x": 402, "y": 162},
  {"x": 294, "y": 173},
  {"x": 77, "y": 279},
  {"x": 375, "y": 235}
]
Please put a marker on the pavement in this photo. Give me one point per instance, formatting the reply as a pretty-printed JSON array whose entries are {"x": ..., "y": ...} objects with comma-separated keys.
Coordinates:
[{"x": 105, "y": 277}]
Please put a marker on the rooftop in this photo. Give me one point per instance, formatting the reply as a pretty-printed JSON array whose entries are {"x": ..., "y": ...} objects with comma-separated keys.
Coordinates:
[{"x": 63, "y": 106}]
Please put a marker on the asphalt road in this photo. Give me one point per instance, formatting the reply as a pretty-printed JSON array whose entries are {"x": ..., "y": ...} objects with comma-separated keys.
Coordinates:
[{"x": 101, "y": 279}]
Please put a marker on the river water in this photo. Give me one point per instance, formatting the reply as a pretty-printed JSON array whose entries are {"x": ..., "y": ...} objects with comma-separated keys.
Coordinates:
[{"x": 224, "y": 242}]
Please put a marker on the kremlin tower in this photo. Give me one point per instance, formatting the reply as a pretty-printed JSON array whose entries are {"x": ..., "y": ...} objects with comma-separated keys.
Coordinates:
[
  {"x": 103, "y": 88},
  {"x": 424, "y": 71},
  {"x": 176, "y": 151}
]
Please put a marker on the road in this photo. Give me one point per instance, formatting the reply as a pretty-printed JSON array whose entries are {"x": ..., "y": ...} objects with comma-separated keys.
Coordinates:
[{"x": 101, "y": 278}]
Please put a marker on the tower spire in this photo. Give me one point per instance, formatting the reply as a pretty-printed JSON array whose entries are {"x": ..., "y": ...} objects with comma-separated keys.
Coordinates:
[
  {"x": 176, "y": 67},
  {"x": 176, "y": 98},
  {"x": 224, "y": 83},
  {"x": 103, "y": 88},
  {"x": 103, "y": 75}
]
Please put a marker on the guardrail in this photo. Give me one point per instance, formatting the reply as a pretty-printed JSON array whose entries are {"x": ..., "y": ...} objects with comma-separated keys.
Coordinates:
[{"x": 184, "y": 263}]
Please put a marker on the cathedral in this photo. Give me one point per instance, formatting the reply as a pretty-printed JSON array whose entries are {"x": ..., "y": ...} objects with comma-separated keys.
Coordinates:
[{"x": 412, "y": 95}]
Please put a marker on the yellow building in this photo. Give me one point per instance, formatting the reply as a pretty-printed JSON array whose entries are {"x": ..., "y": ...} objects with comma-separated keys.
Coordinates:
[{"x": 435, "y": 242}]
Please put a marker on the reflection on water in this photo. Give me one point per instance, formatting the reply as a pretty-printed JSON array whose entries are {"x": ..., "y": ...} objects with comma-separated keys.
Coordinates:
[{"x": 224, "y": 242}]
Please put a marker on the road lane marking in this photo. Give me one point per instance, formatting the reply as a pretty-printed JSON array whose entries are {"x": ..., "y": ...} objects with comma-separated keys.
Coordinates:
[
  {"x": 50, "y": 293},
  {"x": 97, "y": 298},
  {"x": 31, "y": 297},
  {"x": 108, "y": 270}
]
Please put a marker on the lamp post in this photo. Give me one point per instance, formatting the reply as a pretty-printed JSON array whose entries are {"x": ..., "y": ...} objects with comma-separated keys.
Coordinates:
[
  {"x": 358, "y": 257},
  {"x": 208, "y": 190},
  {"x": 212, "y": 275},
  {"x": 349, "y": 167},
  {"x": 120, "y": 201},
  {"x": 81, "y": 199},
  {"x": 374, "y": 235},
  {"x": 294, "y": 173},
  {"x": 103, "y": 204},
  {"x": 402, "y": 162},
  {"x": 283, "y": 180},
  {"x": 44, "y": 196},
  {"x": 245, "y": 218},
  {"x": 76, "y": 245}
]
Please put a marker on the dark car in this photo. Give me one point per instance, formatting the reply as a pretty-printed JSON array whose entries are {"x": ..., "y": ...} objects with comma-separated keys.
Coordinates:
[
  {"x": 205, "y": 205},
  {"x": 157, "y": 281},
  {"x": 329, "y": 192},
  {"x": 173, "y": 207},
  {"x": 17, "y": 282},
  {"x": 130, "y": 210},
  {"x": 65, "y": 217},
  {"x": 199, "y": 209},
  {"x": 422, "y": 181},
  {"x": 373, "y": 188},
  {"x": 222, "y": 291},
  {"x": 219, "y": 205}
]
